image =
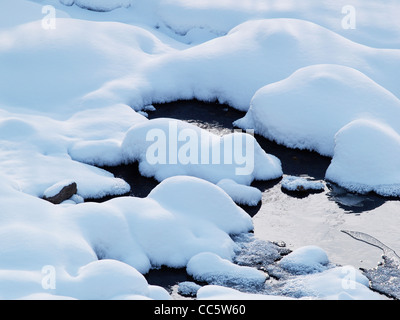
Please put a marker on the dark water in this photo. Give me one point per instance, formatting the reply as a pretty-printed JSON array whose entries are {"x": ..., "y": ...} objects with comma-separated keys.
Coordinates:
[
  {"x": 167, "y": 277},
  {"x": 140, "y": 186},
  {"x": 219, "y": 119}
]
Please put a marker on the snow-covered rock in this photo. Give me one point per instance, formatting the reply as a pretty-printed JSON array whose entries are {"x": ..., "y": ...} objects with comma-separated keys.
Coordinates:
[
  {"x": 210, "y": 268},
  {"x": 241, "y": 194},
  {"x": 188, "y": 288},
  {"x": 304, "y": 260},
  {"x": 300, "y": 184},
  {"x": 166, "y": 147},
  {"x": 366, "y": 158},
  {"x": 308, "y": 108},
  {"x": 339, "y": 283},
  {"x": 60, "y": 192}
]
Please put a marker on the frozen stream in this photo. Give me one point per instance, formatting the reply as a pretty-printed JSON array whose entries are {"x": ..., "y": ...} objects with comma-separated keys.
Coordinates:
[{"x": 315, "y": 219}]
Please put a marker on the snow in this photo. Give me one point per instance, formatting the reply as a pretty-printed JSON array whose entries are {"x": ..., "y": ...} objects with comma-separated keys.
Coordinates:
[
  {"x": 366, "y": 158},
  {"x": 36, "y": 160},
  {"x": 307, "y": 259},
  {"x": 340, "y": 283},
  {"x": 209, "y": 267},
  {"x": 309, "y": 107},
  {"x": 188, "y": 288},
  {"x": 74, "y": 97},
  {"x": 241, "y": 194},
  {"x": 118, "y": 48},
  {"x": 315, "y": 108},
  {"x": 27, "y": 12},
  {"x": 204, "y": 200},
  {"x": 166, "y": 147},
  {"x": 292, "y": 183},
  {"x": 107, "y": 278},
  {"x": 133, "y": 234},
  {"x": 159, "y": 230},
  {"x": 75, "y": 199}
]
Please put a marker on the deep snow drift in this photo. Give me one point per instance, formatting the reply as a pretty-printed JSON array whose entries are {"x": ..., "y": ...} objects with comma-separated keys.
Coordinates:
[
  {"x": 73, "y": 82},
  {"x": 260, "y": 51}
]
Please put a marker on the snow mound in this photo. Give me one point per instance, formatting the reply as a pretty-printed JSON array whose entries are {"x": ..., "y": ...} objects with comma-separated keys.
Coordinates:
[
  {"x": 97, "y": 280},
  {"x": 308, "y": 259},
  {"x": 241, "y": 194},
  {"x": 166, "y": 147},
  {"x": 114, "y": 51},
  {"x": 181, "y": 218},
  {"x": 210, "y": 268},
  {"x": 366, "y": 158},
  {"x": 195, "y": 197},
  {"x": 309, "y": 107},
  {"x": 104, "y": 279},
  {"x": 339, "y": 283},
  {"x": 67, "y": 101},
  {"x": 37, "y": 160}
]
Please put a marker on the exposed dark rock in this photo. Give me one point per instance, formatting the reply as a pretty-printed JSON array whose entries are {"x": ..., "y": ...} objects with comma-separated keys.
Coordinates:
[{"x": 65, "y": 193}]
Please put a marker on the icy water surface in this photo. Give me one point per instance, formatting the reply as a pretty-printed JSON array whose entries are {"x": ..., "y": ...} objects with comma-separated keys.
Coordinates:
[{"x": 292, "y": 218}]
